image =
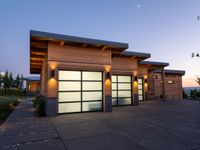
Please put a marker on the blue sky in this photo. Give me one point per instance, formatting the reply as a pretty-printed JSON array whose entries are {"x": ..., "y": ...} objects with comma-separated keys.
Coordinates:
[{"x": 168, "y": 29}]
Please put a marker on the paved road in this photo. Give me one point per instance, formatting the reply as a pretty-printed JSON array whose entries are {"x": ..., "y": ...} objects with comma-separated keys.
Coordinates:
[{"x": 154, "y": 125}]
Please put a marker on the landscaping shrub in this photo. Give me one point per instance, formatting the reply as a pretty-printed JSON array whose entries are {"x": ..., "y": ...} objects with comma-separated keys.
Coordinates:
[
  {"x": 11, "y": 92},
  {"x": 185, "y": 96},
  {"x": 7, "y": 105},
  {"x": 195, "y": 94},
  {"x": 39, "y": 103}
]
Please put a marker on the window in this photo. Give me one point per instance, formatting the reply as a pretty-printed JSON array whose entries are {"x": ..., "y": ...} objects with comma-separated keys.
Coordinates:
[
  {"x": 170, "y": 82},
  {"x": 155, "y": 76}
]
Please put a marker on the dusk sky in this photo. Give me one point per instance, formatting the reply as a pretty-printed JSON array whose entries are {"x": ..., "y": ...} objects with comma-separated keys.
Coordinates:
[{"x": 168, "y": 29}]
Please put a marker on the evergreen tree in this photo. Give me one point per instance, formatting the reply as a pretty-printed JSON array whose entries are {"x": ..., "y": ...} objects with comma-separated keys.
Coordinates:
[
  {"x": 195, "y": 94},
  {"x": 185, "y": 96},
  {"x": 21, "y": 82},
  {"x": 17, "y": 82},
  {"x": 11, "y": 80},
  {"x": 6, "y": 80},
  {"x": 0, "y": 79}
]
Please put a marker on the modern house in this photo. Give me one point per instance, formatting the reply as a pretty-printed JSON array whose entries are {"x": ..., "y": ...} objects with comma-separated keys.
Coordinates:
[
  {"x": 80, "y": 74},
  {"x": 32, "y": 84}
]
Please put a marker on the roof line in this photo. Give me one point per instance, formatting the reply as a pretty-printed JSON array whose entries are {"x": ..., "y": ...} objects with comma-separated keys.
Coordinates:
[
  {"x": 171, "y": 71},
  {"x": 54, "y": 36},
  {"x": 137, "y": 54},
  {"x": 154, "y": 63}
]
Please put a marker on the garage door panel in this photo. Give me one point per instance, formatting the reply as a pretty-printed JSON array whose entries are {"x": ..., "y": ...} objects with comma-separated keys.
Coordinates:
[
  {"x": 69, "y": 75},
  {"x": 69, "y": 86},
  {"x": 124, "y": 101},
  {"x": 114, "y": 78},
  {"x": 96, "y": 76},
  {"x": 140, "y": 97},
  {"x": 124, "y": 93},
  {"x": 114, "y": 93},
  {"x": 92, "y": 85},
  {"x": 124, "y": 79},
  {"x": 114, "y": 86},
  {"x": 69, "y": 96},
  {"x": 69, "y": 107},
  {"x": 92, "y": 96},
  {"x": 140, "y": 92},
  {"x": 124, "y": 86},
  {"x": 114, "y": 101},
  {"x": 140, "y": 81},
  {"x": 92, "y": 106},
  {"x": 140, "y": 87}
]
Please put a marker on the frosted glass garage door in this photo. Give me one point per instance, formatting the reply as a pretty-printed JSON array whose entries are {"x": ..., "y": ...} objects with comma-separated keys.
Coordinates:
[
  {"x": 121, "y": 90},
  {"x": 140, "y": 89},
  {"x": 79, "y": 91}
]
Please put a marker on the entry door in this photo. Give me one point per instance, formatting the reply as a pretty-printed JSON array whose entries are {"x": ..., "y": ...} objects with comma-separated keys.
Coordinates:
[
  {"x": 140, "y": 89},
  {"x": 79, "y": 91},
  {"x": 121, "y": 90}
]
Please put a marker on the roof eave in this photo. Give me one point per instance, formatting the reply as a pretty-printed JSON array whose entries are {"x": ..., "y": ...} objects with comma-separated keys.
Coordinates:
[
  {"x": 164, "y": 64},
  {"x": 60, "y": 37}
]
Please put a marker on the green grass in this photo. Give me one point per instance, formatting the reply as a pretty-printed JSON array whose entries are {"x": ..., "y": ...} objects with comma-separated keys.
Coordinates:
[{"x": 7, "y": 105}]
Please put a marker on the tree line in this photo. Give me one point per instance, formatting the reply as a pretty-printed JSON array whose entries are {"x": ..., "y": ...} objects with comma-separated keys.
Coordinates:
[
  {"x": 194, "y": 94},
  {"x": 10, "y": 82}
]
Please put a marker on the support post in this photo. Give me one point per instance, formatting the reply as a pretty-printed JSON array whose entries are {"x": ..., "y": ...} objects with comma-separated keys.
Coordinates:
[
  {"x": 163, "y": 83},
  {"x": 107, "y": 91}
]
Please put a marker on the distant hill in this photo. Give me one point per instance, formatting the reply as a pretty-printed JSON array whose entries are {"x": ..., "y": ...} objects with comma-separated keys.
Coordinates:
[{"x": 188, "y": 89}]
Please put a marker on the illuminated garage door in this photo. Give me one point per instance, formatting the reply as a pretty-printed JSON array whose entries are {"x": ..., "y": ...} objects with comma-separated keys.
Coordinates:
[
  {"x": 121, "y": 90},
  {"x": 140, "y": 89},
  {"x": 79, "y": 91}
]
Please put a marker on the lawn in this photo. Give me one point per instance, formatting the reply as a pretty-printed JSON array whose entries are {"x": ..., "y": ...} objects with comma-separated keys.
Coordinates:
[{"x": 7, "y": 105}]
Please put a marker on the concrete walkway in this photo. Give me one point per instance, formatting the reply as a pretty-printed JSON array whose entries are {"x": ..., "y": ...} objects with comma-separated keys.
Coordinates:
[{"x": 23, "y": 131}]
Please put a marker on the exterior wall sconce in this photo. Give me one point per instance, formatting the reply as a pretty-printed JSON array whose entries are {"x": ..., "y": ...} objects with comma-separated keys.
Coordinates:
[
  {"x": 136, "y": 78},
  {"x": 52, "y": 73},
  {"x": 108, "y": 75},
  {"x": 145, "y": 81}
]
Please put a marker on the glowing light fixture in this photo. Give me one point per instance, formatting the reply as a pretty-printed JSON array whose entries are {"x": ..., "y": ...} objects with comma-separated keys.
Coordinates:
[
  {"x": 107, "y": 75},
  {"x": 135, "y": 78},
  {"x": 52, "y": 73}
]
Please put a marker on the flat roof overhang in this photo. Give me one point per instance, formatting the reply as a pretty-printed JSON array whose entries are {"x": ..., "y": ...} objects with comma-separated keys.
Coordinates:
[
  {"x": 39, "y": 46},
  {"x": 131, "y": 54},
  {"x": 32, "y": 78},
  {"x": 152, "y": 65},
  {"x": 169, "y": 71}
]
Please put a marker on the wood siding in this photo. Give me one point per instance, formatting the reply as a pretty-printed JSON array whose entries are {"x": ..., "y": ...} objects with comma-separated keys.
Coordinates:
[
  {"x": 172, "y": 91},
  {"x": 142, "y": 70},
  {"x": 124, "y": 65},
  {"x": 78, "y": 55}
]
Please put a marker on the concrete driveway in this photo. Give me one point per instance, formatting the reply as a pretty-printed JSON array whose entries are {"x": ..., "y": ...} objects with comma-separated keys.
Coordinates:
[{"x": 154, "y": 125}]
